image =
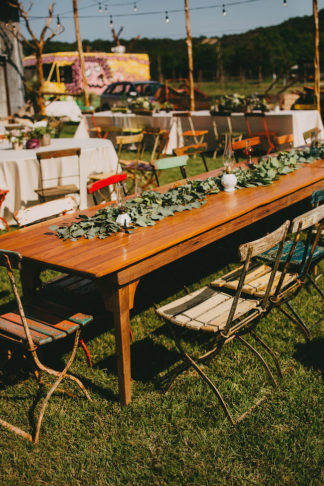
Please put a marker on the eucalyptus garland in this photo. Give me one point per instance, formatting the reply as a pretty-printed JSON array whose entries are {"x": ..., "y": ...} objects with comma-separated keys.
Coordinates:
[{"x": 152, "y": 206}]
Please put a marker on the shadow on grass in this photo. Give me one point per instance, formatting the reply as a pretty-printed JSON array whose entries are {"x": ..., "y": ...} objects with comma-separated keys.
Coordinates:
[{"x": 311, "y": 354}]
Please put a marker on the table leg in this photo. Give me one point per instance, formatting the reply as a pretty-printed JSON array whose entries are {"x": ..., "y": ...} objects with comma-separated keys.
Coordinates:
[{"x": 30, "y": 280}]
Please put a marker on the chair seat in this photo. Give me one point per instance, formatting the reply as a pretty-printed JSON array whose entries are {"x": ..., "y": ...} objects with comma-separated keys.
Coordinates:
[
  {"x": 57, "y": 191},
  {"x": 298, "y": 255},
  {"x": 193, "y": 133},
  {"x": 47, "y": 321},
  {"x": 256, "y": 280},
  {"x": 206, "y": 309}
]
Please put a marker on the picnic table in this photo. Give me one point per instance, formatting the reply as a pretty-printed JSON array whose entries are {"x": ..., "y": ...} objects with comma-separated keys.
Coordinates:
[{"x": 117, "y": 263}]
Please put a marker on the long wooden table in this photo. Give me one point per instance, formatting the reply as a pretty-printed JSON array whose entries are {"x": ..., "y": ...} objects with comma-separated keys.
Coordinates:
[{"x": 118, "y": 262}]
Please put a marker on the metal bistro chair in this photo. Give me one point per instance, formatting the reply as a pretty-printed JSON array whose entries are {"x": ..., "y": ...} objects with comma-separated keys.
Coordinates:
[
  {"x": 225, "y": 315},
  {"x": 266, "y": 133},
  {"x": 37, "y": 323},
  {"x": 197, "y": 149},
  {"x": 298, "y": 257},
  {"x": 54, "y": 192}
]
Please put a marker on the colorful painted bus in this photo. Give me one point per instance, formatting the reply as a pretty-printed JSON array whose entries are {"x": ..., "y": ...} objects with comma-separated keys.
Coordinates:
[{"x": 62, "y": 71}]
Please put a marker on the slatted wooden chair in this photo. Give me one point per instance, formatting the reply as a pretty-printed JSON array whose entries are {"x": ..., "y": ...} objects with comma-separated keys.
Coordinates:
[
  {"x": 266, "y": 133},
  {"x": 225, "y": 315},
  {"x": 37, "y": 323},
  {"x": 284, "y": 142},
  {"x": 96, "y": 187},
  {"x": 241, "y": 145},
  {"x": 59, "y": 190},
  {"x": 297, "y": 259},
  {"x": 197, "y": 135},
  {"x": 3, "y": 193},
  {"x": 220, "y": 135},
  {"x": 171, "y": 163},
  {"x": 196, "y": 149}
]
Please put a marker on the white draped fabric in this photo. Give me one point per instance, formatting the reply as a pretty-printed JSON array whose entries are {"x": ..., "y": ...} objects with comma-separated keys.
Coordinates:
[{"x": 19, "y": 170}]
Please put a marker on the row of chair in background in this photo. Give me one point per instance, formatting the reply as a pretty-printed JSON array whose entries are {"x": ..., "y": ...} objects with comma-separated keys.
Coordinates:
[{"x": 233, "y": 305}]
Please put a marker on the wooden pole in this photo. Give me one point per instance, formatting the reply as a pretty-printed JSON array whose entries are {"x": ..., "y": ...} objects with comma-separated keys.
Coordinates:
[
  {"x": 317, "y": 89},
  {"x": 81, "y": 56},
  {"x": 190, "y": 58}
]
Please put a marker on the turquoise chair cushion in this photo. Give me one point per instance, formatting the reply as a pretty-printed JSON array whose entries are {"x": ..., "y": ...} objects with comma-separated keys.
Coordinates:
[{"x": 298, "y": 255}]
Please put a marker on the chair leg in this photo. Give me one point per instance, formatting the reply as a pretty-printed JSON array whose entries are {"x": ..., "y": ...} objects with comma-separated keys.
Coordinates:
[
  {"x": 204, "y": 161},
  {"x": 296, "y": 319},
  {"x": 86, "y": 351},
  {"x": 61, "y": 375},
  {"x": 260, "y": 358},
  {"x": 270, "y": 351},
  {"x": 312, "y": 281}
]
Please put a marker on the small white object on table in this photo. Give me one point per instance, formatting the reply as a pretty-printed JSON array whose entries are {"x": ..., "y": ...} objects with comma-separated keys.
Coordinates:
[{"x": 19, "y": 170}]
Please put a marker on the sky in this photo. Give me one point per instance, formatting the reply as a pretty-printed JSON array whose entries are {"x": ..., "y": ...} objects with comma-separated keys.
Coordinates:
[{"x": 206, "y": 17}]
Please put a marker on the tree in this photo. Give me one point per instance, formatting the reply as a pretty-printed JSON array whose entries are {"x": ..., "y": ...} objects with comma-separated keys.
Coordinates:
[{"x": 37, "y": 45}]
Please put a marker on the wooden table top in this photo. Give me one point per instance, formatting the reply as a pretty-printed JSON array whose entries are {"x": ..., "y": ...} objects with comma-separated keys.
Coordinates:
[{"x": 98, "y": 258}]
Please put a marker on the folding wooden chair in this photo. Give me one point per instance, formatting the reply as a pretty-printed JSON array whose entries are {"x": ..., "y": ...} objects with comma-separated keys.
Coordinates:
[
  {"x": 220, "y": 136},
  {"x": 198, "y": 135},
  {"x": 311, "y": 134},
  {"x": 264, "y": 133},
  {"x": 225, "y": 315},
  {"x": 197, "y": 149},
  {"x": 37, "y": 323},
  {"x": 54, "y": 192},
  {"x": 297, "y": 259},
  {"x": 243, "y": 145}
]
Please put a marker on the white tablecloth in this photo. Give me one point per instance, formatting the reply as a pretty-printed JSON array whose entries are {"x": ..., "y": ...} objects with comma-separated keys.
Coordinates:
[
  {"x": 283, "y": 122},
  {"x": 64, "y": 108},
  {"x": 19, "y": 171}
]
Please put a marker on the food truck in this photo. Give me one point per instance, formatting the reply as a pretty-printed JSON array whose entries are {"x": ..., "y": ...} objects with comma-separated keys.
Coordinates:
[{"x": 62, "y": 70}]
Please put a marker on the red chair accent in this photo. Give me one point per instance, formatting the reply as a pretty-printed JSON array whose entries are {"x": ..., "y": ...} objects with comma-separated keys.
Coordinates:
[
  {"x": 98, "y": 185},
  {"x": 3, "y": 193},
  {"x": 266, "y": 133}
]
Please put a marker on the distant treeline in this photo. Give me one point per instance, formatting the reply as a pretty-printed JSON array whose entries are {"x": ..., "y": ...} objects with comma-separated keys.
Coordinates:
[{"x": 257, "y": 53}]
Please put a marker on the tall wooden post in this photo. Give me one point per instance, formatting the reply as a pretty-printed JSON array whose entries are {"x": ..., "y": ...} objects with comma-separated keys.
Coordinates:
[
  {"x": 80, "y": 49},
  {"x": 317, "y": 89},
  {"x": 190, "y": 59}
]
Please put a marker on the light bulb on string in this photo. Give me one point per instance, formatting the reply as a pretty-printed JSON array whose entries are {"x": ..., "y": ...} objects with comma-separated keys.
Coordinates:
[
  {"x": 106, "y": 8},
  {"x": 111, "y": 22},
  {"x": 224, "y": 11},
  {"x": 285, "y": 3},
  {"x": 167, "y": 17},
  {"x": 58, "y": 21},
  {"x": 135, "y": 7},
  {"x": 100, "y": 7}
]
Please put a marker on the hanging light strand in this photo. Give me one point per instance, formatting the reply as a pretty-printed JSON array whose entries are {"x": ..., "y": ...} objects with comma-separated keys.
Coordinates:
[
  {"x": 224, "y": 11},
  {"x": 285, "y": 3},
  {"x": 111, "y": 22},
  {"x": 167, "y": 20},
  {"x": 135, "y": 7},
  {"x": 58, "y": 21}
]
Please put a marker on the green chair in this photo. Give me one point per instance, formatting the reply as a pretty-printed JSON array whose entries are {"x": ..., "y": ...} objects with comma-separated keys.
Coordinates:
[{"x": 170, "y": 163}]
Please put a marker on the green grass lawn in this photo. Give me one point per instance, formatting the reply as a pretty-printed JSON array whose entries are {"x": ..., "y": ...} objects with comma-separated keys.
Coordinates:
[{"x": 183, "y": 437}]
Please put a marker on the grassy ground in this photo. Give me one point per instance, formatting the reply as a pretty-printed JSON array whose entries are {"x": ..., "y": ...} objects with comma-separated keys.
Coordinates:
[{"x": 182, "y": 437}]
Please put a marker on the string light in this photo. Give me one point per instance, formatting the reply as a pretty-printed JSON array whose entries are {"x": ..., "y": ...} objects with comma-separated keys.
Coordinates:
[
  {"x": 106, "y": 8},
  {"x": 224, "y": 11},
  {"x": 285, "y": 3},
  {"x": 58, "y": 21},
  {"x": 100, "y": 7},
  {"x": 167, "y": 17},
  {"x": 111, "y": 22},
  {"x": 135, "y": 7}
]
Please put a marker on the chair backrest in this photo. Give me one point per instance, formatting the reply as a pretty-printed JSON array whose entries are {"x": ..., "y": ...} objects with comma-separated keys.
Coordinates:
[
  {"x": 197, "y": 148},
  {"x": 151, "y": 140},
  {"x": 163, "y": 143},
  {"x": 317, "y": 197},
  {"x": 170, "y": 163},
  {"x": 310, "y": 134},
  {"x": 50, "y": 209},
  {"x": 108, "y": 181},
  {"x": 122, "y": 140},
  {"x": 284, "y": 140},
  {"x": 54, "y": 154},
  {"x": 252, "y": 249},
  {"x": 241, "y": 144}
]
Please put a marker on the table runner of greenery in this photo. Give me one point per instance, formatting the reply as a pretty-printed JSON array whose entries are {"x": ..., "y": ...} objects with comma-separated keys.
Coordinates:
[{"x": 152, "y": 206}]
